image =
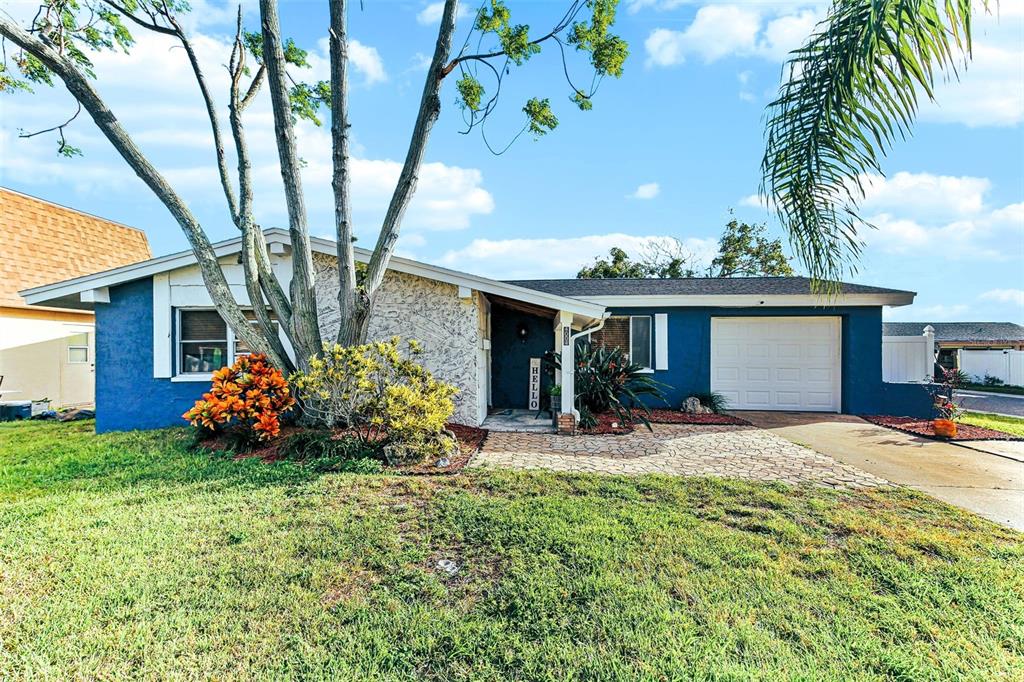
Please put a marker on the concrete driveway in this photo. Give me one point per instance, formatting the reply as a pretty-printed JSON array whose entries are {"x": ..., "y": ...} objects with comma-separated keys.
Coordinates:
[
  {"x": 1000, "y": 403},
  {"x": 989, "y": 485}
]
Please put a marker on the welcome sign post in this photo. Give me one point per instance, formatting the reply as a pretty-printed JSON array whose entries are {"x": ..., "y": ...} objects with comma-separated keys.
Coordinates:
[{"x": 535, "y": 384}]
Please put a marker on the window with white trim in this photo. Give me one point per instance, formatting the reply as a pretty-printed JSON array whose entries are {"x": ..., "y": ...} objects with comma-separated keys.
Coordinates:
[
  {"x": 78, "y": 349},
  {"x": 206, "y": 343},
  {"x": 640, "y": 341},
  {"x": 202, "y": 341}
]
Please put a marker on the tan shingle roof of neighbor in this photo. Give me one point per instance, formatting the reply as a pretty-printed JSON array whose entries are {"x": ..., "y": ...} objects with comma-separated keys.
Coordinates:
[{"x": 42, "y": 242}]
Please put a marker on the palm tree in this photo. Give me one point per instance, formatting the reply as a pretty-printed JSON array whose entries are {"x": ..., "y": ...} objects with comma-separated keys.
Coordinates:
[{"x": 851, "y": 92}]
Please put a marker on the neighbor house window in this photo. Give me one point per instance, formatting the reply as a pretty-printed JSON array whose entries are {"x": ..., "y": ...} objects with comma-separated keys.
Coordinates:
[
  {"x": 202, "y": 341},
  {"x": 640, "y": 341},
  {"x": 78, "y": 349}
]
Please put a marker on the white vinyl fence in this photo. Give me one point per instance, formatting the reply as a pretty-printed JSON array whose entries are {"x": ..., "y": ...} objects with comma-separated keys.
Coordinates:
[
  {"x": 1007, "y": 365},
  {"x": 909, "y": 359}
]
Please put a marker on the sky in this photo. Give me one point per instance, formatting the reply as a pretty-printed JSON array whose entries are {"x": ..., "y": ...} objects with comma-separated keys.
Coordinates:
[{"x": 667, "y": 151}]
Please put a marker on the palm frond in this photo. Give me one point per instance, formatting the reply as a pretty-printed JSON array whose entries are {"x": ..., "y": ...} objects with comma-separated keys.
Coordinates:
[{"x": 851, "y": 92}]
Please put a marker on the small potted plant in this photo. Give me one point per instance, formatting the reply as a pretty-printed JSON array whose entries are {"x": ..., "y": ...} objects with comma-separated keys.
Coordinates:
[
  {"x": 946, "y": 409},
  {"x": 556, "y": 398}
]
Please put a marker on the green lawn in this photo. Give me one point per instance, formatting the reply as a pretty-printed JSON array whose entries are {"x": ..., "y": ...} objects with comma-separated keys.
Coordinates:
[
  {"x": 1010, "y": 390},
  {"x": 128, "y": 556},
  {"x": 1013, "y": 425}
]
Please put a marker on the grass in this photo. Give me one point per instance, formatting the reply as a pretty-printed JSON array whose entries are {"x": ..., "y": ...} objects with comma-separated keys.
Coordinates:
[
  {"x": 127, "y": 555},
  {"x": 1009, "y": 390},
  {"x": 1011, "y": 425}
]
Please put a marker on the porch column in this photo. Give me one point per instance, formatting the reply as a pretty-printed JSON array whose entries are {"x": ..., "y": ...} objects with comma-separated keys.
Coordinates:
[{"x": 563, "y": 340}]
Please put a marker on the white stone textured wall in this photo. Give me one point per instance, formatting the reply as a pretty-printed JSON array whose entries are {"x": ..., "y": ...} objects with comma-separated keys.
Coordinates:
[{"x": 414, "y": 307}]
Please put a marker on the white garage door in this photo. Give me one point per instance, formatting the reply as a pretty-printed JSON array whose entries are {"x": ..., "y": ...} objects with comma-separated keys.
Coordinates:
[{"x": 777, "y": 363}]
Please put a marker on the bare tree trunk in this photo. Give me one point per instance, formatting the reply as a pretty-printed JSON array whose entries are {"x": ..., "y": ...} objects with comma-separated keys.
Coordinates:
[
  {"x": 80, "y": 88},
  {"x": 305, "y": 319},
  {"x": 349, "y": 296},
  {"x": 429, "y": 110}
]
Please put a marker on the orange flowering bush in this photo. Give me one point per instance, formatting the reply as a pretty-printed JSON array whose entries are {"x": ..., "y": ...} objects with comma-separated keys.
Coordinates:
[{"x": 249, "y": 397}]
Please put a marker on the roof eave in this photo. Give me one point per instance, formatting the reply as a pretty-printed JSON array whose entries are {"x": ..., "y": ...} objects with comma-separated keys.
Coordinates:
[
  {"x": 892, "y": 299},
  {"x": 67, "y": 290}
]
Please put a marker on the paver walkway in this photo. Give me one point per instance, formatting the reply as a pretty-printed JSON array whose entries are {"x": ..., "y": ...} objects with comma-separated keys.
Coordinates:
[{"x": 681, "y": 449}]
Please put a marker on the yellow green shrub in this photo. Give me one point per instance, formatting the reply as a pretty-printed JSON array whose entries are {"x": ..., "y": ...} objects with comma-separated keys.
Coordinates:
[{"x": 377, "y": 389}]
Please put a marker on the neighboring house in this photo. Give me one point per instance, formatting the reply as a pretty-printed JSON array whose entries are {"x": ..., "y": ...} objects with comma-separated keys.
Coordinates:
[
  {"x": 767, "y": 343},
  {"x": 951, "y": 337},
  {"x": 47, "y": 351}
]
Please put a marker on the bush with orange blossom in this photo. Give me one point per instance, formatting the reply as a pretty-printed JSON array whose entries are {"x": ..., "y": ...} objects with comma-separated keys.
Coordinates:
[{"x": 248, "y": 398}]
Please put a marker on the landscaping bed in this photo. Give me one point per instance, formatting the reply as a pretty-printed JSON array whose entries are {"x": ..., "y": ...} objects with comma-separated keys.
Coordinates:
[
  {"x": 470, "y": 440},
  {"x": 605, "y": 421},
  {"x": 924, "y": 428}
]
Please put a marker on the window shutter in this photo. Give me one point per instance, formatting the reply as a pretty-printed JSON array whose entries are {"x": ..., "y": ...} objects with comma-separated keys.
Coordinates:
[{"x": 660, "y": 341}]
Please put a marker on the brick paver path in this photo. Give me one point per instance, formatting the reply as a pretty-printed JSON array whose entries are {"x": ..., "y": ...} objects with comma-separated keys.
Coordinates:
[{"x": 682, "y": 449}]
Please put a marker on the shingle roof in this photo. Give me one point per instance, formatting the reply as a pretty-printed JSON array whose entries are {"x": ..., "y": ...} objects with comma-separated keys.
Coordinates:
[
  {"x": 692, "y": 286},
  {"x": 997, "y": 332},
  {"x": 42, "y": 242}
]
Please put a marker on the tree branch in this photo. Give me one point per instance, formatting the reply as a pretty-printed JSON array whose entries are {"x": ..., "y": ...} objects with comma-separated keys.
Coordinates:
[
  {"x": 348, "y": 295},
  {"x": 430, "y": 108},
  {"x": 305, "y": 320},
  {"x": 80, "y": 88}
]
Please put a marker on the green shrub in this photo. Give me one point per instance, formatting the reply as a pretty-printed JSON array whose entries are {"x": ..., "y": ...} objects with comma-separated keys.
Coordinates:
[
  {"x": 607, "y": 381},
  {"x": 379, "y": 392},
  {"x": 714, "y": 400},
  {"x": 321, "y": 444}
]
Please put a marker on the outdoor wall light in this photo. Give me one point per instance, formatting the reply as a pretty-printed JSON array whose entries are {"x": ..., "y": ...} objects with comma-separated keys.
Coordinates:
[{"x": 522, "y": 332}]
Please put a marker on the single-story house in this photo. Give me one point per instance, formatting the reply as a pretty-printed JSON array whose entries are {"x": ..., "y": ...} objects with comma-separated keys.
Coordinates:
[
  {"x": 951, "y": 337},
  {"x": 46, "y": 353},
  {"x": 765, "y": 343}
]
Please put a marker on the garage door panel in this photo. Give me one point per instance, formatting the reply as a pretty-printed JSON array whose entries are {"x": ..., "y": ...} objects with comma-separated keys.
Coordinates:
[
  {"x": 760, "y": 399},
  {"x": 780, "y": 363}
]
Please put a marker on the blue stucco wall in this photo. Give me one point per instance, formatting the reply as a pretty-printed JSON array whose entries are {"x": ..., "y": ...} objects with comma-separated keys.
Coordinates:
[
  {"x": 510, "y": 357},
  {"x": 127, "y": 395},
  {"x": 863, "y": 392}
]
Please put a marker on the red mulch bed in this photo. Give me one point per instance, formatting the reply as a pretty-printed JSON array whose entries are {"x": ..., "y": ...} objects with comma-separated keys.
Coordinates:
[
  {"x": 470, "y": 440},
  {"x": 605, "y": 421},
  {"x": 680, "y": 417},
  {"x": 924, "y": 428},
  {"x": 609, "y": 424}
]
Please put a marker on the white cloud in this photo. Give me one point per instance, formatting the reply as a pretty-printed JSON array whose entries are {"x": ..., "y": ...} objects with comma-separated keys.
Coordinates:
[
  {"x": 942, "y": 216},
  {"x": 989, "y": 92},
  {"x": 432, "y": 13},
  {"x": 367, "y": 61},
  {"x": 165, "y": 115},
  {"x": 646, "y": 191},
  {"x": 533, "y": 258},
  {"x": 1012, "y": 296},
  {"x": 945, "y": 214},
  {"x": 925, "y": 195},
  {"x": 719, "y": 31}
]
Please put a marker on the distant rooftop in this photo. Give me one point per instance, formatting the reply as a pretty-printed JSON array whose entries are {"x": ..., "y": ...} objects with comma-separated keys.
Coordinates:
[
  {"x": 993, "y": 332},
  {"x": 689, "y": 286}
]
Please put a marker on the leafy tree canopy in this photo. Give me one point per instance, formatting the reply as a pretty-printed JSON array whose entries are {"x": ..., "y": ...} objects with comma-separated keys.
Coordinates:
[{"x": 743, "y": 251}]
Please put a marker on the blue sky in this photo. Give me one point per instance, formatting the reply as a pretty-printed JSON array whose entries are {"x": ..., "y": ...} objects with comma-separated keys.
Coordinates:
[{"x": 667, "y": 150}]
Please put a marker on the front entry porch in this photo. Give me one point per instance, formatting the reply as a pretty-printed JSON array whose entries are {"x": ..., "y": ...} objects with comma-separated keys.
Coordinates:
[
  {"x": 523, "y": 421},
  {"x": 520, "y": 379}
]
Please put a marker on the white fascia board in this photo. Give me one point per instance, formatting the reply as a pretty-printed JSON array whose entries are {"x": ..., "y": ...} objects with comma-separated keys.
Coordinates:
[
  {"x": 126, "y": 273},
  {"x": 277, "y": 236},
  {"x": 754, "y": 301},
  {"x": 464, "y": 279}
]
